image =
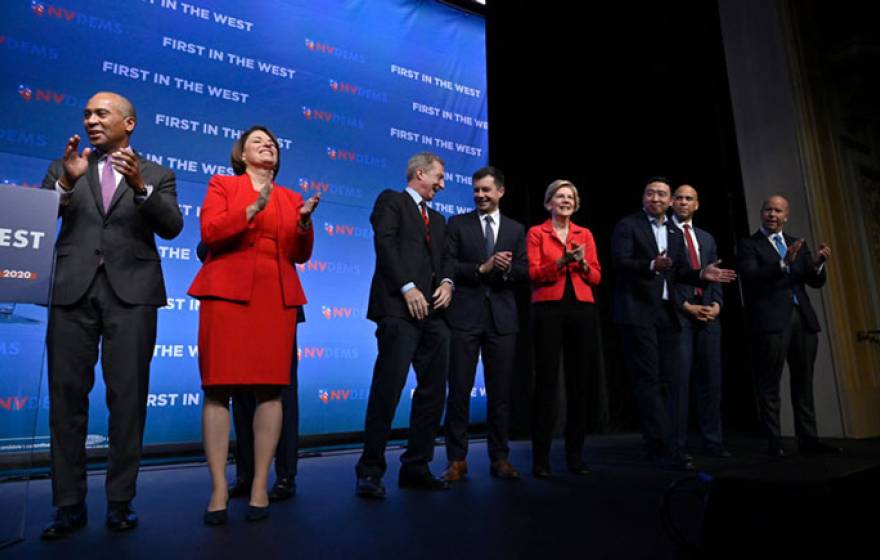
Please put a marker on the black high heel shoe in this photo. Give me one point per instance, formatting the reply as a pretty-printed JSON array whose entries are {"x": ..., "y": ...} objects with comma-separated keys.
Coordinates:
[
  {"x": 215, "y": 518},
  {"x": 257, "y": 513}
]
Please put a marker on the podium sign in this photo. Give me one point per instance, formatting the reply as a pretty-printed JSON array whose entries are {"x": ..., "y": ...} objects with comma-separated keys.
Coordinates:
[{"x": 28, "y": 220}]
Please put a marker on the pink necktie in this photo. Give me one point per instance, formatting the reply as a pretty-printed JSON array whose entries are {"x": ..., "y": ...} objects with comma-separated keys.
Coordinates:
[{"x": 108, "y": 183}]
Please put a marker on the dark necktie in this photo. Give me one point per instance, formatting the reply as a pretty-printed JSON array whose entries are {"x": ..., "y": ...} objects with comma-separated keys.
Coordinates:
[
  {"x": 490, "y": 237},
  {"x": 692, "y": 255}
]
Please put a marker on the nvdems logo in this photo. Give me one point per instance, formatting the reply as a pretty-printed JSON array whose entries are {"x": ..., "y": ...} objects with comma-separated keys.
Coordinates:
[
  {"x": 348, "y": 156},
  {"x": 318, "y": 47},
  {"x": 52, "y": 97},
  {"x": 358, "y": 91},
  {"x": 61, "y": 13},
  {"x": 328, "y": 117}
]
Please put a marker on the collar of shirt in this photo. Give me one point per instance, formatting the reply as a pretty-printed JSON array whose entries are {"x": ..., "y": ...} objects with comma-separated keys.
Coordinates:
[
  {"x": 415, "y": 196},
  {"x": 680, "y": 224},
  {"x": 102, "y": 161},
  {"x": 496, "y": 221},
  {"x": 770, "y": 234},
  {"x": 655, "y": 221}
]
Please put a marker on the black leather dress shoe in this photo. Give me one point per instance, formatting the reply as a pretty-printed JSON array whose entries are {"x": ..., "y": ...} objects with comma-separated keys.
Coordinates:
[
  {"x": 257, "y": 513},
  {"x": 283, "y": 489},
  {"x": 120, "y": 516},
  {"x": 718, "y": 451},
  {"x": 542, "y": 471},
  {"x": 676, "y": 462},
  {"x": 579, "y": 469},
  {"x": 421, "y": 480},
  {"x": 816, "y": 447},
  {"x": 240, "y": 488},
  {"x": 370, "y": 487},
  {"x": 774, "y": 448},
  {"x": 66, "y": 520}
]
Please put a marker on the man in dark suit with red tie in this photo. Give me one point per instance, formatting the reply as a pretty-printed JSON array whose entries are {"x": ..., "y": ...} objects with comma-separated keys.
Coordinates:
[
  {"x": 108, "y": 287},
  {"x": 775, "y": 268},
  {"x": 489, "y": 253},
  {"x": 697, "y": 352},
  {"x": 648, "y": 256},
  {"x": 411, "y": 267}
]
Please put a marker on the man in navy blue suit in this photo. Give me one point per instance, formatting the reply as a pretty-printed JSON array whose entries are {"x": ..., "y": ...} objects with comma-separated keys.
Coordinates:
[
  {"x": 775, "y": 268},
  {"x": 489, "y": 252},
  {"x": 698, "y": 349},
  {"x": 649, "y": 259}
]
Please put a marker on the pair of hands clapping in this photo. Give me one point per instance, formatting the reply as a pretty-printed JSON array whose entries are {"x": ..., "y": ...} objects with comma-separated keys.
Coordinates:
[{"x": 125, "y": 161}]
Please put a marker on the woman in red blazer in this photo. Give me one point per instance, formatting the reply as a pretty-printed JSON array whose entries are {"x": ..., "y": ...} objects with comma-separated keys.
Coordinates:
[
  {"x": 564, "y": 269},
  {"x": 255, "y": 231}
]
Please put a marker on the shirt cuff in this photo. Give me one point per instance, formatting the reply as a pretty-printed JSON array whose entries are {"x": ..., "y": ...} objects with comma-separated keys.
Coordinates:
[
  {"x": 140, "y": 198},
  {"x": 407, "y": 287}
]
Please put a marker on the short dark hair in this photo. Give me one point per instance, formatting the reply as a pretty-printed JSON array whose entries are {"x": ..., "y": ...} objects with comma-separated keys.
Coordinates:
[
  {"x": 489, "y": 171},
  {"x": 236, "y": 159},
  {"x": 658, "y": 179}
]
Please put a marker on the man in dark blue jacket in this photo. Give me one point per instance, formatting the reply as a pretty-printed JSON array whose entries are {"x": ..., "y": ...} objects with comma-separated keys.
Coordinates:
[
  {"x": 698, "y": 348},
  {"x": 489, "y": 252},
  {"x": 775, "y": 268}
]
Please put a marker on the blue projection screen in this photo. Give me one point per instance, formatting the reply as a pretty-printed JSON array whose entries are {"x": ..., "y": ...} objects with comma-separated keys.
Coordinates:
[{"x": 352, "y": 89}]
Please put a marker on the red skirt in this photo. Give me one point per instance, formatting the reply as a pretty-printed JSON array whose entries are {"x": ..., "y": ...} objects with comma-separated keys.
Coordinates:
[{"x": 249, "y": 343}]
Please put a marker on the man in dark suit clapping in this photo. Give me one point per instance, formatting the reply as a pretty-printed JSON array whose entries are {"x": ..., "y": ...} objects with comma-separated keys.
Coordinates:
[
  {"x": 409, "y": 239},
  {"x": 775, "y": 268},
  {"x": 108, "y": 288},
  {"x": 489, "y": 254}
]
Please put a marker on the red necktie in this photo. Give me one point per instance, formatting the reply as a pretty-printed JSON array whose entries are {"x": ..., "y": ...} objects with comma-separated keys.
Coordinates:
[
  {"x": 692, "y": 254},
  {"x": 424, "y": 208}
]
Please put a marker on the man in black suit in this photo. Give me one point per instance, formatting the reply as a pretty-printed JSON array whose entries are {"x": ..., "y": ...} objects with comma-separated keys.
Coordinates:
[
  {"x": 108, "y": 287},
  {"x": 489, "y": 253},
  {"x": 648, "y": 259},
  {"x": 774, "y": 268},
  {"x": 409, "y": 239},
  {"x": 697, "y": 352}
]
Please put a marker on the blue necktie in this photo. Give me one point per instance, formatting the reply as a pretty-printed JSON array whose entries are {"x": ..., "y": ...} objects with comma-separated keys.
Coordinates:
[
  {"x": 782, "y": 249},
  {"x": 490, "y": 237}
]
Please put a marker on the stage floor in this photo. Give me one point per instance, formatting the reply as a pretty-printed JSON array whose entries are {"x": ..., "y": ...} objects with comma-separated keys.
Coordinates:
[{"x": 614, "y": 513}]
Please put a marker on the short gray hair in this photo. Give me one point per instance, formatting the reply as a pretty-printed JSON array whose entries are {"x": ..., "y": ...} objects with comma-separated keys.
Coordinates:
[{"x": 422, "y": 160}]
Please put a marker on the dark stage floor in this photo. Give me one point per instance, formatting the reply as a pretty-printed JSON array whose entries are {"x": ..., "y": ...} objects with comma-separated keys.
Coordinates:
[{"x": 613, "y": 513}]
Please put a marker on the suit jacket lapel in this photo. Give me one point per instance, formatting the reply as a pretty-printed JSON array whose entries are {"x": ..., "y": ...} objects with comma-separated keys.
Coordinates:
[
  {"x": 646, "y": 232},
  {"x": 702, "y": 239},
  {"x": 122, "y": 188},
  {"x": 475, "y": 225}
]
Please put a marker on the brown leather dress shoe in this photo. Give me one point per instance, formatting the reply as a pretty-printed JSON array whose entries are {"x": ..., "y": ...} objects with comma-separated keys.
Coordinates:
[
  {"x": 455, "y": 470},
  {"x": 504, "y": 470}
]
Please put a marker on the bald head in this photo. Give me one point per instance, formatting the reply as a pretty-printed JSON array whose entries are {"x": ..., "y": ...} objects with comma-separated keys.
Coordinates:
[
  {"x": 109, "y": 120},
  {"x": 122, "y": 104},
  {"x": 774, "y": 213},
  {"x": 685, "y": 202}
]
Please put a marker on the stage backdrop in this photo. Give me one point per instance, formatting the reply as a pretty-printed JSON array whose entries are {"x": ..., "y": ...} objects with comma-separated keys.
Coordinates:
[{"x": 352, "y": 89}]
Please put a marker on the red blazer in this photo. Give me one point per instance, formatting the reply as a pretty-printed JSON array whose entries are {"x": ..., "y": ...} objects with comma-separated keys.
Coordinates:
[
  {"x": 228, "y": 272},
  {"x": 548, "y": 280}
]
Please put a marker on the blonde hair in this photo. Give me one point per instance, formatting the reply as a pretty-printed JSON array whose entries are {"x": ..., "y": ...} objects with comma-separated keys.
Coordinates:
[{"x": 558, "y": 184}]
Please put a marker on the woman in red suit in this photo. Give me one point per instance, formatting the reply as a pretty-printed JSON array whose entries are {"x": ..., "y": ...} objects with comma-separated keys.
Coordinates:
[
  {"x": 564, "y": 269},
  {"x": 249, "y": 291}
]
